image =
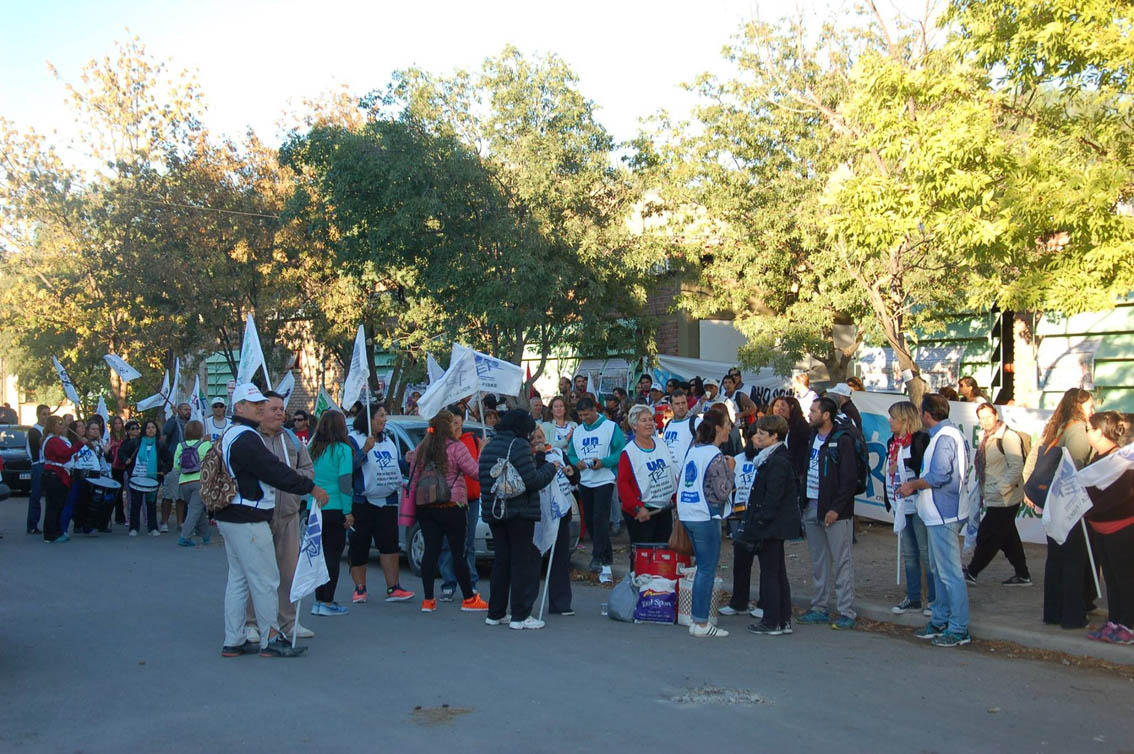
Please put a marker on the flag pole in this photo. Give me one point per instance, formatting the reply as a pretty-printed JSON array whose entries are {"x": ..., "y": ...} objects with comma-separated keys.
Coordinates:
[
  {"x": 547, "y": 580},
  {"x": 483, "y": 423},
  {"x": 1091, "y": 557},
  {"x": 369, "y": 431},
  {"x": 295, "y": 624},
  {"x": 898, "y": 568}
]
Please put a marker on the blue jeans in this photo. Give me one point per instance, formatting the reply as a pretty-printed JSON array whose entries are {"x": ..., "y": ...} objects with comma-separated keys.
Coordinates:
[
  {"x": 34, "y": 495},
  {"x": 448, "y": 575},
  {"x": 706, "y": 539},
  {"x": 951, "y": 608},
  {"x": 915, "y": 557}
]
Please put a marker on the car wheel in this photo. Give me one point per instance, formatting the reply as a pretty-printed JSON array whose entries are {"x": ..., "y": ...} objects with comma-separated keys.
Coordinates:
[{"x": 415, "y": 548}]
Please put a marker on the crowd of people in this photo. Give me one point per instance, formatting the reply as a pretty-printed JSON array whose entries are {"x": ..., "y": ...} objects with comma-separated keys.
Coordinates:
[{"x": 701, "y": 458}]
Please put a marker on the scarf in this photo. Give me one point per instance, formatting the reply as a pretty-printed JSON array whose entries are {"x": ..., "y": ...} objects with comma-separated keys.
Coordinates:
[
  {"x": 766, "y": 453},
  {"x": 979, "y": 460},
  {"x": 147, "y": 457}
]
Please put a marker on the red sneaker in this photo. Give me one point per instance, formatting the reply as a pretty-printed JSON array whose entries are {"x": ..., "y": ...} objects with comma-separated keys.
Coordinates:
[
  {"x": 428, "y": 606},
  {"x": 397, "y": 594},
  {"x": 359, "y": 595},
  {"x": 474, "y": 604}
]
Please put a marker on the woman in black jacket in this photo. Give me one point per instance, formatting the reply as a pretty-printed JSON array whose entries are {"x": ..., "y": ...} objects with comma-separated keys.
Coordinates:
[
  {"x": 515, "y": 568},
  {"x": 799, "y": 433},
  {"x": 772, "y": 516}
]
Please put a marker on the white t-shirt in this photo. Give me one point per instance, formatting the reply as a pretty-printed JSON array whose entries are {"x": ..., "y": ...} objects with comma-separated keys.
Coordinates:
[
  {"x": 813, "y": 468},
  {"x": 212, "y": 431}
]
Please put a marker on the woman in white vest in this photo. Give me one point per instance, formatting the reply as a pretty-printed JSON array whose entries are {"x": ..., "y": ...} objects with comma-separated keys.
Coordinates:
[
  {"x": 743, "y": 555},
  {"x": 904, "y": 455},
  {"x": 704, "y": 498},
  {"x": 594, "y": 450},
  {"x": 647, "y": 479},
  {"x": 558, "y": 431}
]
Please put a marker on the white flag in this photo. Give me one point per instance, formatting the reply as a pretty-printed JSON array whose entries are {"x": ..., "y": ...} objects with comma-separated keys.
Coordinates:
[
  {"x": 171, "y": 401},
  {"x": 124, "y": 370},
  {"x": 591, "y": 385},
  {"x": 495, "y": 375},
  {"x": 157, "y": 399},
  {"x": 101, "y": 411},
  {"x": 68, "y": 386},
  {"x": 251, "y": 355},
  {"x": 432, "y": 368},
  {"x": 196, "y": 408},
  {"x": 324, "y": 402},
  {"x": 359, "y": 373},
  {"x": 311, "y": 570},
  {"x": 1067, "y": 500},
  {"x": 459, "y": 381},
  {"x": 286, "y": 387},
  {"x": 554, "y": 504}
]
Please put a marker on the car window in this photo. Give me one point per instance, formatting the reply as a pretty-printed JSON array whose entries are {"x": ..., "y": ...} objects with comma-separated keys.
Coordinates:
[{"x": 12, "y": 439}]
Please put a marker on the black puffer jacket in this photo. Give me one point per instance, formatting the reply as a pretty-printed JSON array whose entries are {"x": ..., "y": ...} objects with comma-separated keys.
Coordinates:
[
  {"x": 525, "y": 505},
  {"x": 773, "y": 510}
]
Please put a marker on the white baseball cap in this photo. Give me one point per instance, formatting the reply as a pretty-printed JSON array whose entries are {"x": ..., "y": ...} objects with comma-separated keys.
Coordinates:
[
  {"x": 247, "y": 392},
  {"x": 841, "y": 389},
  {"x": 218, "y": 401}
]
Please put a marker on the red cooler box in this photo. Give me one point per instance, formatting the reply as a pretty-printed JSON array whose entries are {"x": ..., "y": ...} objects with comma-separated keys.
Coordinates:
[{"x": 658, "y": 560}]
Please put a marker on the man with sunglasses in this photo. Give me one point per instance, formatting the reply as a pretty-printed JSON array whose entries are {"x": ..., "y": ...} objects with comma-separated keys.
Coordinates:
[{"x": 301, "y": 426}]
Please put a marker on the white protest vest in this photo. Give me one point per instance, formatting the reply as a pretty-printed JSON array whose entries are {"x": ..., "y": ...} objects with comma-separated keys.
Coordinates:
[
  {"x": 654, "y": 471},
  {"x": 926, "y": 508},
  {"x": 744, "y": 475},
  {"x": 692, "y": 505},
  {"x": 559, "y": 434},
  {"x": 903, "y": 506},
  {"x": 381, "y": 476},
  {"x": 268, "y": 501},
  {"x": 560, "y": 487},
  {"x": 678, "y": 436},
  {"x": 592, "y": 445},
  {"x": 212, "y": 431},
  {"x": 86, "y": 459}
]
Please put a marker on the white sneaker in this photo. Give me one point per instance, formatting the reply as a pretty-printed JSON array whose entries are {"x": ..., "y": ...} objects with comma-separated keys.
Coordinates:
[
  {"x": 605, "y": 576},
  {"x": 303, "y": 632},
  {"x": 495, "y": 622},
  {"x": 530, "y": 623},
  {"x": 707, "y": 631},
  {"x": 728, "y": 610},
  {"x": 755, "y": 612},
  {"x": 133, "y": 532},
  {"x": 155, "y": 533},
  {"x": 165, "y": 528},
  {"x": 252, "y": 634},
  {"x": 927, "y": 611}
]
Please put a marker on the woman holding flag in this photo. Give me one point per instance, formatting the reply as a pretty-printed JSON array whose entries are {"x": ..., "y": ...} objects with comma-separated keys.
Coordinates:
[{"x": 1112, "y": 519}]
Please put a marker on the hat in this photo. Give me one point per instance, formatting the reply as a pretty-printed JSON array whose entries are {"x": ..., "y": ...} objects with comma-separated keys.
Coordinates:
[
  {"x": 841, "y": 389},
  {"x": 247, "y": 392},
  {"x": 712, "y": 381},
  {"x": 218, "y": 401}
]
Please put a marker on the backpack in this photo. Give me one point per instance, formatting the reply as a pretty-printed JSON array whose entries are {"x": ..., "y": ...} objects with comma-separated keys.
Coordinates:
[
  {"x": 862, "y": 467},
  {"x": 190, "y": 458},
  {"x": 1048, "y": 458},
  {"x": 218, "y": 485},
  {"x": 509, "y": 484},
  {"x": 1025, "y": 442},
  {"x": 432, "y": 488}
]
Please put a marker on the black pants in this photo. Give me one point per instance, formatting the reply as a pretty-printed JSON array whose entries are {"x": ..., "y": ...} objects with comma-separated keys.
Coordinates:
[
  {"x": 775, "y": 592},
  {"x": 559, "y": 578},
  {"x": 1117, "y": 556},
  {"x": 742, "y": 557},
  {"x": 450, "y": 523},
  {"x": 998, "y": 532},
  {"x": 1067, "y": 583},
  {"x": 55, "y": 496},
  {"x": 106, "y": 509},
  {"x": 334, "y": 540},
  {"x": 655, "y": 530},
  {"x": 119, "y": 495},
  {"x": 136, "y": 499},
  {"x": 596, "y": 515},
  {"x": 515, "y": 569}
]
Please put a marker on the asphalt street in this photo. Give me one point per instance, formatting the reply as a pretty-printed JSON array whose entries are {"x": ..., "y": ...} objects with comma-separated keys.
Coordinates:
[{"x": 112, "y": 644}]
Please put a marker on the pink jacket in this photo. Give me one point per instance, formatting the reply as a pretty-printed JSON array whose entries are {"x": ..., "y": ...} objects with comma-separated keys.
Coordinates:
[{"x": 458, "y": 463}]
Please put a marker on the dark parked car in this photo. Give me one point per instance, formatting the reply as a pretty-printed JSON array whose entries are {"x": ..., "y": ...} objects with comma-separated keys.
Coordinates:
[{"x": 13, "y": 450}]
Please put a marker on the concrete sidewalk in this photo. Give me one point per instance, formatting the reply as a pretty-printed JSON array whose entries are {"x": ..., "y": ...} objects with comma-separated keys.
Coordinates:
[{"x": 999, "y": 613}]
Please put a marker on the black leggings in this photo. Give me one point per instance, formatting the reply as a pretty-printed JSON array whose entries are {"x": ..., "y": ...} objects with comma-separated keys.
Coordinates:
[
  {"x": 1067, "y": 582},
  {"x": 775, "y": 592},
  {"x": 998, "y": 532},
  {"x": 447, "y": 522},
  {"x": 1117, "y": 551},
  {"x": 55, "y": 493},
  {"x": 334, "y": 540}
]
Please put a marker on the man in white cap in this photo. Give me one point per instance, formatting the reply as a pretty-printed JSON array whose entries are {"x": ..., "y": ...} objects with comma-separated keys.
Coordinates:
[
  {"x": 216, "y": 424},
  {"x": 245, "y": 526},
  {"x": 712, "y": 389},
  {"x": 841, "y": 395}
]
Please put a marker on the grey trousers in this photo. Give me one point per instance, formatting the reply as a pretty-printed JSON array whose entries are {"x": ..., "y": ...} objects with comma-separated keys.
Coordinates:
[
  {"x": 285, "y": 539},
  {"x": 252, "y": 572},
  {"x": 832, "y": 566},
  {"x": 196, "y": 517}
]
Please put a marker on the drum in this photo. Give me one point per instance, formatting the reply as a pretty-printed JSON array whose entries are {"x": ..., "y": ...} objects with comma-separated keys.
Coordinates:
[
  {"x": 103, "y": 482},
  {"x": 144, "y": 484}
]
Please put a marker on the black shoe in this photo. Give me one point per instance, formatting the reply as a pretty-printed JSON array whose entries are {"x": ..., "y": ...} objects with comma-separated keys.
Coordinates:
[
  {"x": 969, "y": 578},
  {"x": 35, "y": 531},
  {"x": 764, "y": 629},
  {"x": 279, "y": 647},
  {"x": 1018, "y": 581},
  {"x": 247, "y": 648}
]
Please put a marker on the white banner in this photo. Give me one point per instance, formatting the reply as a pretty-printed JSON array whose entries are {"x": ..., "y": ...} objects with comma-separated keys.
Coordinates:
[
  {"x": 1067, "y": 500},
  {"x": 196, "y": 408},
  {"x": 767, "y": 383},
  {"x": 101, "y": 411},
  {"x": 157, "y": 399},
  {"x": 174, "y": 388},
  {"x": 68, "y": 386},
  {"x": 359, "y": 373},
  {"x": 433, "y": 370},
  {"x": 459, "y": 381},
  {"x": 311, "y": 570},
  {"x": 495, "y": 375},
  {"x": 286, "y": 387},
  {"x": 121, "y": 368},
  {"x": 324, "y": 402},
  {"x": 251, "y": 355},
  {"x": 876, "y": 428}
]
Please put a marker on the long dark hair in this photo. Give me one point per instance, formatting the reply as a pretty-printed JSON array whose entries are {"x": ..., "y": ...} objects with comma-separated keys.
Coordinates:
[
  {"x": 330, "y": 430},
  {"x": 1069, "y": 410},
  {"x": 1111, "y": 424},
  {"x": 712, "y": 419},
  {"x": 437, "y": 436},
  {"x": 117, "y": 435},
  {"x": 795, "y": 411}
]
